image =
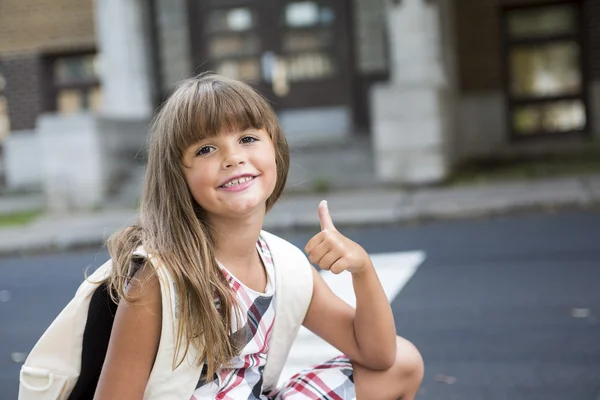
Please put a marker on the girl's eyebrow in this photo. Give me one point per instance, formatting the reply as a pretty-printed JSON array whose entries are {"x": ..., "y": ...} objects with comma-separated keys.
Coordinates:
[
  {"x": 205, "y": 139},
  {"x": 208, "y": 138}
]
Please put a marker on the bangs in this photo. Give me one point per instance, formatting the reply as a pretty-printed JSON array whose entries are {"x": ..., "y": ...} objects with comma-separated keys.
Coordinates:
[{"x": 209, "y": 107}]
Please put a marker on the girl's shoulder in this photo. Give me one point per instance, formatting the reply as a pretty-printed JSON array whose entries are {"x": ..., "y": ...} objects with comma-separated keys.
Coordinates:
[
  {"x": 279, "y": 246},
  {"x": 288, "y": 260}
]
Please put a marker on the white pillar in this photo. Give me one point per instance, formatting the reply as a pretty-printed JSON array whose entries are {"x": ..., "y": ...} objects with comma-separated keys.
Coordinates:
[
  {"x": 124, "y": 61},
  {"x": 74, "y": 163},
  {"x": 411, "y": 113},
  {"x": 415, "y": 43}
]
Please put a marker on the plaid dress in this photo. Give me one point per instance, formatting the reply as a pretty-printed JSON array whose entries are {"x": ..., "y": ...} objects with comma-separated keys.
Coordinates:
[{"x": 242, "y": 379}]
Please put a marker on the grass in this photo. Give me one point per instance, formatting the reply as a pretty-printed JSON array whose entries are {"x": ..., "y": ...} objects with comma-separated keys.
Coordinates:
[
  {"x": 18, "y": 218},
  {"x": 321, "y": 185},
  {"x": 489, "y": 170}
]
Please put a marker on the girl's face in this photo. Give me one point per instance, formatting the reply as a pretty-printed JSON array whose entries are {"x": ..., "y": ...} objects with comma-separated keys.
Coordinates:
[{"x": 232, "y": 174}]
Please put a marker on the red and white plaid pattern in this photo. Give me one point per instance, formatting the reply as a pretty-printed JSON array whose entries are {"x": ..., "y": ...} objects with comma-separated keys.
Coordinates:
[
  {"x": 243, "y": 378},
  {"x": 331, "y": 380}
]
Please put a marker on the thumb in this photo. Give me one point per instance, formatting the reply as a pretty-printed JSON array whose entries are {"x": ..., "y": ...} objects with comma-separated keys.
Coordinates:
[{"x": 324, "y": 216}]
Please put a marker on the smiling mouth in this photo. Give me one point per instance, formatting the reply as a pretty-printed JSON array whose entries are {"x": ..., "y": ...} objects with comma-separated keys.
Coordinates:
[{"x": 236, "y": 182}]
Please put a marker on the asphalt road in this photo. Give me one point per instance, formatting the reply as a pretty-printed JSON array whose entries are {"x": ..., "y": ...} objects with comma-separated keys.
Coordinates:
[{"x": 506, "y": 308}]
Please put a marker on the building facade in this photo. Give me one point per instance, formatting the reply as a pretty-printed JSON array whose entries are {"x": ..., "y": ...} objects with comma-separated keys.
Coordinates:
[
  {"x": 47, "y": 59},
  {"x": 366, "y": 90},
  {"x": 528, "y": 74},
  {"x": 47, "y": 65}
]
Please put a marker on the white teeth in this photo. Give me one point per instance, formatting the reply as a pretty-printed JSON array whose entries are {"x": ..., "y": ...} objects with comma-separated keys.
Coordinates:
[{"x": 238, "y": 181}]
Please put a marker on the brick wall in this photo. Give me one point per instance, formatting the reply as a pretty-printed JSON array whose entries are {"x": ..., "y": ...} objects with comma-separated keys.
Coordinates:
[
  {"x": 592, "y": 13},
  {"x": 478, "y": 44},
  {"x": 44, "y": 25},
  {"x": 479, "y": 41},
  {"x": 23, "y": 89},
  {"x": 28, "y": 30}
]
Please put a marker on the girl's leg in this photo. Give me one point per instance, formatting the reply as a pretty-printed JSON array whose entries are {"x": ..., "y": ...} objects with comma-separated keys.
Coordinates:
[{"x": 399, "y": 382}]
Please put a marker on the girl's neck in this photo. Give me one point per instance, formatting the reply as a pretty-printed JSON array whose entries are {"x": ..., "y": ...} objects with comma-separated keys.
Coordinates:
[{"x": 235, "y": 240}]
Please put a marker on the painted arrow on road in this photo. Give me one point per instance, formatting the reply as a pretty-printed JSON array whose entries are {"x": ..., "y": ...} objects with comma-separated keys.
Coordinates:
[{"x": 394, "y": 271}]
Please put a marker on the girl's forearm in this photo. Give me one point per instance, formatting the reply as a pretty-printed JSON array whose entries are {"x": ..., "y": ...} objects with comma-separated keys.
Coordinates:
[{"x": 374, "y": 322}]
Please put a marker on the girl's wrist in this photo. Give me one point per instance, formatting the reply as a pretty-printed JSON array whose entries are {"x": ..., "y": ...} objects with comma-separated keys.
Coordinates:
[{"x": 366, "y": 268}]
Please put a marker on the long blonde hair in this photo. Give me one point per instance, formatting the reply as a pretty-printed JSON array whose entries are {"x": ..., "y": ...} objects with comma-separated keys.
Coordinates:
[{"x": 170, "y": 221}]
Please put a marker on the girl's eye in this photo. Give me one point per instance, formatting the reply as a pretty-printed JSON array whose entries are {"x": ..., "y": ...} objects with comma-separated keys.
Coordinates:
[
  {"x": 249, "y": 139},
  {"x": 204, "y": 150}
]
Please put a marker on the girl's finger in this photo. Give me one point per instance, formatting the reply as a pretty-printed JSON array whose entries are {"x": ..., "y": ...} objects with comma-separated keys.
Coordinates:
[
  {"x": 330, "y": 259},
  {"x": 314, "y": 242},
  {"x": 325, "y": 217},
  {"x": 339, "y": 266},
  {"x": 319, "y": 252}
]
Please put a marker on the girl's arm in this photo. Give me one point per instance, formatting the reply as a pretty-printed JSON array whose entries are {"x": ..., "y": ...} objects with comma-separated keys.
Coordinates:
[
  {"x": 367, "y": 334},
  {"x": 133, "y": 342}
]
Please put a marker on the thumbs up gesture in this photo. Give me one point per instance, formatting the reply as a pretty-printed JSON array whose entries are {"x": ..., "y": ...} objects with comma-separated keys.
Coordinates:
[{"x": 332, "y": 251}]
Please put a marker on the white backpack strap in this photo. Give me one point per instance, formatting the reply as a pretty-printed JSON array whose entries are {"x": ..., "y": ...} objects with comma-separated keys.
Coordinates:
[
  {"x": 165, "y": 381},
  {"x": 293, "y": 293}
]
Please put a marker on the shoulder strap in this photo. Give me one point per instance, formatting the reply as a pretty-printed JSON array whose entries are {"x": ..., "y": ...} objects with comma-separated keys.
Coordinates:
[
  {"x": 167, "y": 379},
  {"x": 294, "y": 285}
]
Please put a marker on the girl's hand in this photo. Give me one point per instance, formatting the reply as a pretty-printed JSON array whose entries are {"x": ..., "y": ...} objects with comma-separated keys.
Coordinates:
[{"x": 332, "y": 251}]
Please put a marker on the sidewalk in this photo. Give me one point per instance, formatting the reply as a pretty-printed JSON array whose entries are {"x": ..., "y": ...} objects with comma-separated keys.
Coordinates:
[{"x": 352, "y": 208}]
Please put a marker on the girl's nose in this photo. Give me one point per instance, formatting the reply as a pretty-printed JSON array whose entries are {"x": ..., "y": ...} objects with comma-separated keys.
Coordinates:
[{"x": 233, "y": 159}]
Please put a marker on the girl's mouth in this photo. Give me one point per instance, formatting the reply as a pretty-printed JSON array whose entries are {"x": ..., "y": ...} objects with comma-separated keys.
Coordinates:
[{"x": 238, "y": 184}]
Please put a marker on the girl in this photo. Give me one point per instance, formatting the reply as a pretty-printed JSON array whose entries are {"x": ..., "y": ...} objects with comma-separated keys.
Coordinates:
[{"x": 218, "y": 162}]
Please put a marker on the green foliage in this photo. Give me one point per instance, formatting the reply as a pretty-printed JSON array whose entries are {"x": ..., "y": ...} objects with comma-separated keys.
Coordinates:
[
  {"x": 18, "y": 218},
  {"x": 321, "y": 185}
]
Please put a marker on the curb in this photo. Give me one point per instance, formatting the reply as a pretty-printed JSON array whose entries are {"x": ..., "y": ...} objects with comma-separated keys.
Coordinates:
[
  {"x": 408, "y": 216},
  {"x": 379, "y": 218}
]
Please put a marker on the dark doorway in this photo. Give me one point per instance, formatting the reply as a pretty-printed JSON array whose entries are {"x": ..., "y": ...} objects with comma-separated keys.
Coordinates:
[{"x": 296, "y": 52}]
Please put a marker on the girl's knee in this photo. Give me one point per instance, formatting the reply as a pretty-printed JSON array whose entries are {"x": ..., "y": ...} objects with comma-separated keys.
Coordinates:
[
  {"x": 400, "y": 381},
  {"x": 409, "y": 362}
]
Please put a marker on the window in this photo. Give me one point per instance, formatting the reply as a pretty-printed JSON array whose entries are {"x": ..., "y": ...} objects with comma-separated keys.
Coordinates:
[
  {"x": 308, "y": 40},
  {"x": 234, "y": 44},
  {"x": 304, "y": 44},
  {"x": 73, "y": 83},
  {"x": 4, "y": 120},
  {"x": 544, "y": 69}
]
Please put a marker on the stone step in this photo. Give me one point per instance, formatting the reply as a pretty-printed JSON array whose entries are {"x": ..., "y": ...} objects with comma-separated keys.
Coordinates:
[
  {"x": 129, "y": 190},
  {"x": 12, "y": 203},
  {"x": 339, "y": 164}
]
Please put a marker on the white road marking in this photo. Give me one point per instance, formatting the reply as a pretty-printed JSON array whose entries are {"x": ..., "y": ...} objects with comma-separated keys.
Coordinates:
[
  {"x": 18, "y": 358},
  {"x": 394, "y": 271},
  {"x": 4, "y": 296}
]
